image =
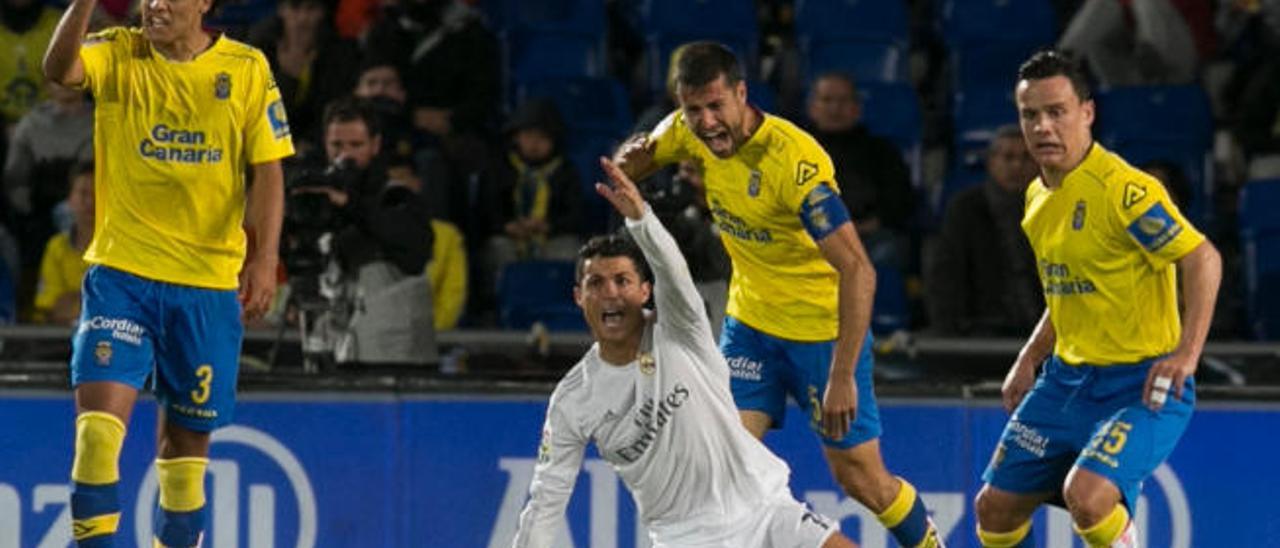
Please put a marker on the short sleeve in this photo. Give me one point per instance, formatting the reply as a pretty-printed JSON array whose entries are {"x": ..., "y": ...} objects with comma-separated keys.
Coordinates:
[
  {"x": 671, "y": 139},
  {"x": 809, "y": 166},
  {"x": 267, "y": 135},
  {"x": 98, "y": 54},
  {"x": 1150, "y": 220}
]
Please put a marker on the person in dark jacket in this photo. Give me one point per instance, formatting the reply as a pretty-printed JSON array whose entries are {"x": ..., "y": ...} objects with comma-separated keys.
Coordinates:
[
  {"x": 536, "y": 193},
  {"x": 982, "y": 276}
]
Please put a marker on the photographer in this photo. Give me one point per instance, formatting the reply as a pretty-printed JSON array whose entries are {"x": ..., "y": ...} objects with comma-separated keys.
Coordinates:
[{"x": 370, "y": 237}]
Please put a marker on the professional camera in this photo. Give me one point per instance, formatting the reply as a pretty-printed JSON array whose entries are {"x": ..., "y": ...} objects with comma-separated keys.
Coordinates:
[{"x": 311, "y": 218}]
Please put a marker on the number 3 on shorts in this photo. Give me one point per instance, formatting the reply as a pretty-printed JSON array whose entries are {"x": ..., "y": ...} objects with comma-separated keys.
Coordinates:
[{"x": 201, "y": 395}]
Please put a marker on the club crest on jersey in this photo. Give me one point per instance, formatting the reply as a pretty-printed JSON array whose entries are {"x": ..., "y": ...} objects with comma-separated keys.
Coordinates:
[
  {"x": 102, "y": 352},
  {"x": 753, "y": 184},
  {"x": 1077, "y": 218},
  {"x": 222, "y": 86},
  {"x": 805, "y": 170},
  {"x": 647, "y": 364}
]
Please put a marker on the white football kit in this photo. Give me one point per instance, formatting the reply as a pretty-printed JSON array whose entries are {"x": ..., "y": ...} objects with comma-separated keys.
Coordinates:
[{"x": 668, "y": 425}]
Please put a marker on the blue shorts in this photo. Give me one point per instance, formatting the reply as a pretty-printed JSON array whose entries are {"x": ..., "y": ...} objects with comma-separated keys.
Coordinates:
[
  {"x": 132, "y": 327},
  {"x": 1092, "y": 417},
  {"x": 763, "y": 369}
]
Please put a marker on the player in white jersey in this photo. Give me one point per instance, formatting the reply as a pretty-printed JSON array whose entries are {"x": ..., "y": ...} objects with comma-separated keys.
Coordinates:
[{"x": 653, "y": 394}]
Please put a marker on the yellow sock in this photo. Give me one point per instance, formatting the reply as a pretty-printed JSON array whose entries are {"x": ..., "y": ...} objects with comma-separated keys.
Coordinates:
[
  {"x": 1106, "y": 531},
  {"x": 900, "y": 507},
  {"x": 1010, "y": 539},
  {"x": 99, "y": 437},
  {"x": 181, "y": 483}
]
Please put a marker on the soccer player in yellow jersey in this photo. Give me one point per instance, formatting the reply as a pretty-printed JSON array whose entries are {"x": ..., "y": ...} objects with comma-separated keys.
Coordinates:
[
  {"x": 801, "y": 290},
  {"x": 180, "y": 116},
  {"x": 1116, "y": 389}
]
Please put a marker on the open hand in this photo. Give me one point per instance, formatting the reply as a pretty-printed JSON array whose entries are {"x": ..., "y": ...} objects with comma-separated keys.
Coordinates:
[{"x": 623, "y": 194}]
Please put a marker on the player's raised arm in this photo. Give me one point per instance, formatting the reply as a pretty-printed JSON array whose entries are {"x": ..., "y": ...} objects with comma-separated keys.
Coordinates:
[
  {"x": 62, "y": 60},
  {"x": 677, "y": 296}
]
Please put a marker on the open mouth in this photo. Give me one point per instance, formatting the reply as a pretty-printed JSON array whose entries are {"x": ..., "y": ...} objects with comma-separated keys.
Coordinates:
[{"x": 612, "y": 317}]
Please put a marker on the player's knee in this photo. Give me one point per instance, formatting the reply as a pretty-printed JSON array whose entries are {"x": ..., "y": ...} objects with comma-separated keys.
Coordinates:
[
  {"x": 998, "y": 510},
  {"x": 99, "y": 437},
  {"x": 1087, "y": 502},
  {"x": 181, "y": 483}
]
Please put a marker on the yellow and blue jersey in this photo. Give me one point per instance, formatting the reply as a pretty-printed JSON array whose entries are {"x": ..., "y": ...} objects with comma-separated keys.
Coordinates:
[
  {"x": 782, "y": 285},
  {"x": 21, "y": 83},
  {"x": 1105, "y": 245},
  {"x": 172, "y": 142}
]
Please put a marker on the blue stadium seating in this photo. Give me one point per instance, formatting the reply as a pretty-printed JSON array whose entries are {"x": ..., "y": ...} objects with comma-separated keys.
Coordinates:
[
  {"x": 669, "y": 23},
  {"x": 8, "y": 304},
  {"x": 867, "y": 39},
  {"x": 1172, "y": 123},
  {"x": 597, "y": 105},
  {"x": 989, "y": 39},
  {"x": 1260, "y": 237},
  {"x": 762, "y": 96},
  {"x": 585, "y": 17},
  {"x": 531, "y": 55},
  {"x": 584, "y": 150},
  {"x": 865, "y": 61},
  {"x": 539, "y": 291},
  {"x": 891, "y": 310},
  {"x": 893, "y": 112}
]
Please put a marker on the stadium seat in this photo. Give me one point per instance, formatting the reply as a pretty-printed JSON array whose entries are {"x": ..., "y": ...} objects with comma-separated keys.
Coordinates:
[
  {"x": 865, "y": 61},
  {"x": 585, "y": 17},
  {"x": 867, "y": 39},
  {"x": 532, "y": 55},
  {"x": 598, "y": 105},
  {"x": 893, "y": 112},
  {"x": 989, "y": 39},
  {"x": 584, "y": 149},
  {"x": 762, "y": 96},
  {"x": 891, "y": 310},
  {"x": 977, "y": 112},
  {"x": 670, "y": 23},
  {"x": 1260, "y": 239},
  {"x": 1171, "y": 123},
  {"x": 539, "y": 291}
]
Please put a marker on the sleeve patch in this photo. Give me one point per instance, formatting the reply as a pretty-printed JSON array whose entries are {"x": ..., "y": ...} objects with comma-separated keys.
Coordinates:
[
  {"x": 279, "y": 120},
  {"x": 805, "y": 170},
  {"x": 822, "y": 212},
  {"x": 1133, "y": 193},
  {"x": 1155, "y": 228}
]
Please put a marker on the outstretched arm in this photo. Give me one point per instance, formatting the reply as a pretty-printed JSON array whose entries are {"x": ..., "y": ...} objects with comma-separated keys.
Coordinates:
[
  {"x": 674, "y": 291},
  {"x": 62, "y": 60},
  {"x": 559, "y": 459},
  {"x": 857, "y": 288}
]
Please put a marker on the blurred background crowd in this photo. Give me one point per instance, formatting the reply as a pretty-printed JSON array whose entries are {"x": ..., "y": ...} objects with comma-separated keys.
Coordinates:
[{"x": 456, "y": 142}]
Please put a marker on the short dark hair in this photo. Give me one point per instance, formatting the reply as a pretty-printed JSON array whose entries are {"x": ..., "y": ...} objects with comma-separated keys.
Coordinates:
[
  {"x": 700, "y": 63},
  {"x": 351, "y": 109},
  {"x": 1048, "y": 63},
  {"x": 612, "y": 245}
]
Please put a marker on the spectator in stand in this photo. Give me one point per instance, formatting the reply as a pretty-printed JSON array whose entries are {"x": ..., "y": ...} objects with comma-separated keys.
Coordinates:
[
  {"x": 536, "y": 194},
  {"x": 981, "y": 279},
  {"x": 25, "y": 29},
  {"x": 1251, "y": 29},
  {"x": 380, "y": 85},
  {"x": 311, "y": 63},
  {"x": 1134, "y": 42},
  {"x": 63, "y": 266},
  {"x": 447, "y": 269},
  {"x": 875, "y": 183},
  {"x": 57, "y": 131}
]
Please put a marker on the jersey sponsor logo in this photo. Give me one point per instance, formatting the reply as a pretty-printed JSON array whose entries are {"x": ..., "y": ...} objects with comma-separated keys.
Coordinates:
[
  {"x": 753, "y": 184},
  {"x": 183, "y": 146},
  {"x": 1077, "y": 218},
  {"x": 805, "y": 170},
  {"x": 1058, "y": 280},
  {"x": 1133, "y": 193},
  {"x": 735, "y": 226},
  {"x": 222, "y": 86},
  {"x": 278, "y": 118},
  {"x": 1028, "y": 438},
  {"x": 121, "y": 329},
  {"x": 1155, "y": 228},
  {"x": 652, "y": 418},
  {"x": 744, "y": 368}
]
